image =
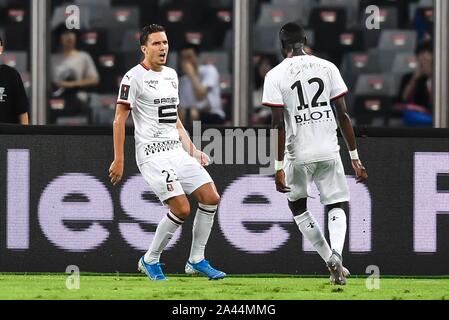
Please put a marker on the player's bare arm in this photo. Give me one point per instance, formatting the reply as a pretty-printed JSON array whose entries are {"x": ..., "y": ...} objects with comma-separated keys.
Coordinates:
[
  {"x": 116, "y": 168},
  {"x": 279, "y": 125},
  {"x": 23, "y": 118},
  {"x": 188, "y": 145},
  {"x": 345, "y": 124}
]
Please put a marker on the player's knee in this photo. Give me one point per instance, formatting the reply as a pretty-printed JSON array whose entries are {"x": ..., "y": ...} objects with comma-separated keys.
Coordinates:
[
  {"x": 339, "y": 205},
  {"x": 182, "y": 211},
  {"x": 214, "y": 199},
  {"x": 298, "y": 207},
  {"x": 211, "y": 199}
]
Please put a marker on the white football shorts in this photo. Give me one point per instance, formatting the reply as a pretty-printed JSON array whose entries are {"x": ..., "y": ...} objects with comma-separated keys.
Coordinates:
[
  {"x": 174, "y": 173},
  {"x": 329, "y": 177}
]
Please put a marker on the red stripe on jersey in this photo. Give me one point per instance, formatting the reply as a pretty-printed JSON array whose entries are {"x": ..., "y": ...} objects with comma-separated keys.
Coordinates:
[
  {"x": 145, "y": 66},
  {"x": 272, "y": 105},
  {"x": 339, "y": 96},
  {"x": 124, "y": 103}
]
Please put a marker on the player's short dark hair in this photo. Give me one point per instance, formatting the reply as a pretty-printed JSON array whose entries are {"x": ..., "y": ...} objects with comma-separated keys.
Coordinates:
[
  {"x": 147, "y": 30},
  {"x": 186, "y": 46},
  {"x": 292, "y": 35},
  {"x": 425, "y": 46}
]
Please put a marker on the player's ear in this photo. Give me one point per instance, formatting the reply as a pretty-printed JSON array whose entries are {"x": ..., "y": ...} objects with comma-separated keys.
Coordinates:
[
  {"x": 283, "y": 50},
  {"x": 144, "y": 50}
]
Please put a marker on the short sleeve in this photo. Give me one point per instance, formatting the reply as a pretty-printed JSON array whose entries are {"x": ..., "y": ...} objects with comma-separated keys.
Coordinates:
[
  {"x": 272, "y": 95},
  {"x": 20, "y": 99},
  {"x": 339, "y": 87},
  {"x": 91, "y": 69},
  {"x": 211, "y": 77},
  {"x": 127, "y": 92}
]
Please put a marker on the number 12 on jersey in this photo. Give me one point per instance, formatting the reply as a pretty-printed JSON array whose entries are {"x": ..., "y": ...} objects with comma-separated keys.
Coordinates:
[{"x": 315, "y": 103}]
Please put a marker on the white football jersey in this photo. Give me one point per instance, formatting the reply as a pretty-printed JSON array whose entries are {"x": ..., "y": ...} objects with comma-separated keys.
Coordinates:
[
  {"x": 153, "y": 99},
  {"x": 305, "y": 86}
]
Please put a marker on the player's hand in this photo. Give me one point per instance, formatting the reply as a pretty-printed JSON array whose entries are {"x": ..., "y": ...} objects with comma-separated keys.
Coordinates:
[
  {"x": 280, "y": 182},
  {"x": 360, "y": 171},
  {"x": 116, "y": 171},
  {"x": 201, "y": 157}
]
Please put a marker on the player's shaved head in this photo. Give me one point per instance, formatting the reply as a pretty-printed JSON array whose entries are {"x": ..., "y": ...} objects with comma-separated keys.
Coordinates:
[
  {"x": 292, "y": 37},
  {"x": 147, "y": 30}
]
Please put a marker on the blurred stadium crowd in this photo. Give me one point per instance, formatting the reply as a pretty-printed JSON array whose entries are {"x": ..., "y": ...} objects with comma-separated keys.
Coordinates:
[{"x": 386, "y": 69}]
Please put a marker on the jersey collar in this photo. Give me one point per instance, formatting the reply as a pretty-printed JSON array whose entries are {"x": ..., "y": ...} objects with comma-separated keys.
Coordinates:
[{"x": 145, "y": 66}]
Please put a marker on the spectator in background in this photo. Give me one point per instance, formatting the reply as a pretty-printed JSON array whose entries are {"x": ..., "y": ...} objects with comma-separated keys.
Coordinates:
[
  {"x": 263, "y": 64},
  {"x": 13, "y": 98},
  {"x": 73, "y": 73},
  {"x": 416, "y": 88},
  {"x": 199, "y": 89}
]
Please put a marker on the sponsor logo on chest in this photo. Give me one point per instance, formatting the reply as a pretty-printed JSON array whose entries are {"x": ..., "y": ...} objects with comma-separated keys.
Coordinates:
[{"x": 151, "y": 83}]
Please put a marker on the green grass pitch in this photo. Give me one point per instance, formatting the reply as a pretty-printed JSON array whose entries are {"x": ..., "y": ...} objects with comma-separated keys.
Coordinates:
[{"x": 263, "y": 287}]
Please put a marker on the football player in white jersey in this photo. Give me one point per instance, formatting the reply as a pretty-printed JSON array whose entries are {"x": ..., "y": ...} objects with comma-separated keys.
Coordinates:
[
  {"x": 165, "y": 155},
  {"x": 301, "y": 91}
]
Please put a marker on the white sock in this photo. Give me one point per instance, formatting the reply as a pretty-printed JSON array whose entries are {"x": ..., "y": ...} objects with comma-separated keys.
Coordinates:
[
  {"x": 311, "y": 230},
  {"x": 204, "y": 219},
  {"x": 337, "y": 229},
  {"x": 164, "y": 232}
]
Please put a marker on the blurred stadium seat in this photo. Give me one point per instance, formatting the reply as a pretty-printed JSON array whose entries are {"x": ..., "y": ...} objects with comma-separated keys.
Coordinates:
[
  {"x": 15, "y": 20},
  {"x": 398, "y": 40},
  {"x": 94, "y": 41},
  {"x": 219, "y": 59},
  {"x": 279, "y": 14},
  {"x": 404, "y": 63},
  {"x": 382, "y": 85},
  {"x": 15, "y": 59},
  {"x": 130, "y": 41},
  {"x": 111, "y": 69},
  {"x": 266, "y": 39},
  {"x": 103, "y": 108},
  {"x": 328, "y": 23},
  {"x": 388, "y": 19},
  {"x": 105, "y": 3},
  {"x": 374, "y": 98},
  {"x": 351, "y": 7},
  {"x": 59, "y": 17},
  {"x": 303, "y": 7}
]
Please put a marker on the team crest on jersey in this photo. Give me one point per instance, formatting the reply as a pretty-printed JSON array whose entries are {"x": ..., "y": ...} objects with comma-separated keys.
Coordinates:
[
  {"x": 170, "y": 187},
  {"x": 173, "y": 83},
  {"x": 124, "y": 92},
  {"x": 152, "y": 83}
]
